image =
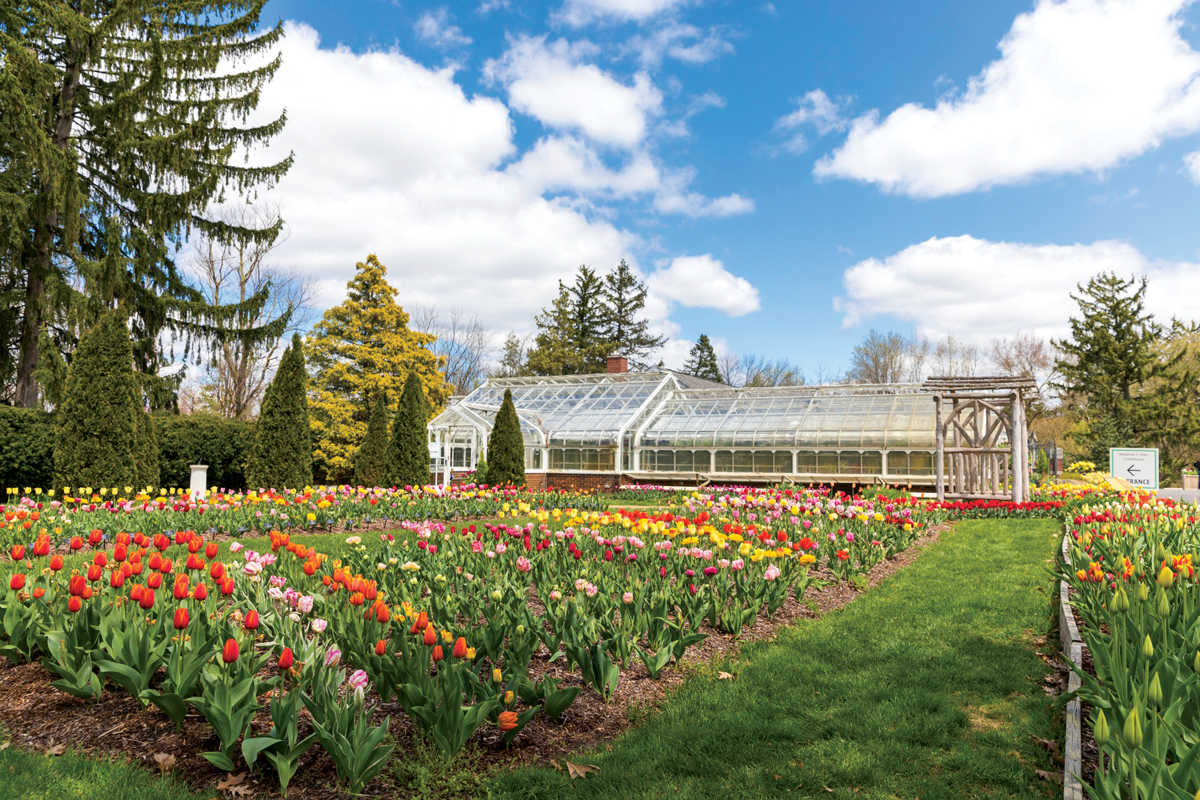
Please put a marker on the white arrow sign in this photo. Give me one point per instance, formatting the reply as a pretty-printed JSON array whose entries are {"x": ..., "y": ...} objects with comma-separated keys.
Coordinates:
[{"x": 1137, "y": 465}]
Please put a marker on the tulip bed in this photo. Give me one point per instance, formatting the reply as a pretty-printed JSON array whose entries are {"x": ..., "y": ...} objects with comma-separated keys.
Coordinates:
[
  {"x": 1136, "y": 590},
  {"x": 62, "y": 516},
  {"x": 444, "y": 618}
]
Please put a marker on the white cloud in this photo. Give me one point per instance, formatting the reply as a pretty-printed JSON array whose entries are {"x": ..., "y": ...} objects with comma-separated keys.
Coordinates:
[
  {"x": 549, "y": 81},
  {"x": 685, "y": 43},
  {"x": 1192, "y": 162},
  {"x": 815, "y": 109},
  {"x": 702, "y": 282},
  {"x": 565, "y": 163},
  {"x": 582, "y": 12},
  {"x": 393, "y": 158},
  {"x": 1080, "y": 86},
  {"x": 978, "y": 289},
  {"x": 434, "y": 28}
]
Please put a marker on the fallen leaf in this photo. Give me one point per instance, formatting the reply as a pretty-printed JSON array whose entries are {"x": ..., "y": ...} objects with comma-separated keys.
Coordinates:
[
  {"x": 1048, "y": 776},
  {"x": 165, "y": 761},
  {"x": 554, "y": 763},
  {"x": 580, "y": 770},
  {"x": 56, "y": 750},
  {"x": 6, "y": 745},
  {"x": 724, "y": 676},
  {"x": 826, "y": 788},
  {"x": 230, "y": 781}
]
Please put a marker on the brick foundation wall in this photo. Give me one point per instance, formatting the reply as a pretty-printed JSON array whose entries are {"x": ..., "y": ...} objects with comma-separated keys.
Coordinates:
[{"x": 581, "y": 481}]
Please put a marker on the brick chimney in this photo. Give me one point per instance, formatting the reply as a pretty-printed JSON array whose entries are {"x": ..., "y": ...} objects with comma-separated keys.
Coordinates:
[{"x": 617, "y": 365}]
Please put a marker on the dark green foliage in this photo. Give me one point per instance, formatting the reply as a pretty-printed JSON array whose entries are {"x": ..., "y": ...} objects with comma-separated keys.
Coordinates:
[
  {"x": 702, "y": 360},
  {"x": 96, "y": 432},
  {"x": 26, "y": 448},
  {"x": 481, "y": 471},
  {"x": 223, "y": 444},
  {"x": 625, "y": 332},
  {"x": 506, "y": 447},
  {"x": 587, "y": 322},
  {"x": 282, "y": 454},
  {"x": 121, "y": 126},
  {"x": 408, "y": 451},
  {"x": 370, "y": 464},
  {"x": 146, "y": 452}
]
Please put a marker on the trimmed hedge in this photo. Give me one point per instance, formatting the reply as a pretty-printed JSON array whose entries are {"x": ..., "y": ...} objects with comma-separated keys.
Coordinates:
[
  {"x": 27, "y": 448},
  {"x": 223, "y": 444}
]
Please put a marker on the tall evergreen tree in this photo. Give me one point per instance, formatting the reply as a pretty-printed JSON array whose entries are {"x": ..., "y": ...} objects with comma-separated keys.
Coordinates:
[
  {"x": 145, "y": 448},
  {"x": 624, "y": 330},
  {"x": 121, "y": 123},
  {"x": 360, "y": 347},
  {"x": 95, "y": 442},
  {"x": 506, "y": 447},
  {"x": 589, "y": 315},
  {"x": 553, "y": 351},
  {"x": 370, "y": 464},
  {"x": 702, "y": 360},
  {"x": 408, "y": 452},
  {"x": 281, "y": 457}
]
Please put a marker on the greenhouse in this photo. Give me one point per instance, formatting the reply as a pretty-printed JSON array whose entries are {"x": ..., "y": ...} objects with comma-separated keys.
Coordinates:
[{"x": 591, "y": 431}]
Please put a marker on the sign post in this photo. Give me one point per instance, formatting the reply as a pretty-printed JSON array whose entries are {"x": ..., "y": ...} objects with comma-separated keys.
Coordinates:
[{"x": 1138, "y": 466}]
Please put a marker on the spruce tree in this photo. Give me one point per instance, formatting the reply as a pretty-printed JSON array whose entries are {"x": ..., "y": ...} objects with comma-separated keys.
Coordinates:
[
  {"x": 506, "y": 447},
  {"x": 281, "y": 457},
  {"x": 95, "y": 442},
  {"x": 702, "y": 360},
  {"x": 624, "y": 330},
  {"x": 408, "y": 452},
  {"x": 146, "y": 449},
  {"x": 554, "y": 351},
  {"x": 371, "y": 462},
  {"x": 123, "y": 124}
]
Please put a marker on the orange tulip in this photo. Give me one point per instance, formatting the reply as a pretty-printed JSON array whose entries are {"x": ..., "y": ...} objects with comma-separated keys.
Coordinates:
[
  {"x": 507, "y": 721},
  {"x": 74, "y": 604},
  {"x": 430, "y": 636},
  {"x": 286, "y": 658},
  {"x": 380, "y": 647},
  {"x": 460, "y": 648}
]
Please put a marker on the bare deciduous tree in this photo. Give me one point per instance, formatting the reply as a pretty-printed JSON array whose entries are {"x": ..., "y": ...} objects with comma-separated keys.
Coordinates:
[
  {"x": 514, "y": 358},
  {"x": 462, "y": 339},
  {"x": 1030, "y": 355},
  {"x": 238, "y": 372},
  {"x": 756, "y": 370},
  {"x": 955, "y": 358},
  {"x": 879, "y": 358}
]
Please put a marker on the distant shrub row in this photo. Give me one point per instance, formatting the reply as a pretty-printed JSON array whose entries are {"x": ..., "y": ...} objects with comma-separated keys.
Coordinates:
[{"x": 27, "y": 448}]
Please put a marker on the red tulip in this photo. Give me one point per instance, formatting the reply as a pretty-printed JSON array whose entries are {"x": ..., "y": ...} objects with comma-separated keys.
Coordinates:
[
  {"x": 381, "y": 613},
  {"x": 42, "y": 546},
  {"x": 120, "y": 553},
  {"x": 420, "y": 624},
  {"x": 38, "y": 593},
  {"x": 17, "y": 583},
  {"x": 380, "y": 647},
  {"x": 100, "y": 559},
  {"x": 155, "y": 561},
  {"x": 217, "y": 571},
  {"x": 210, "y": 551},
  {"x": 94, "y": 572},
  {"x": 165, "y": 566},
  {"x": 230, "y": 653},
  {"x": 56, "y": 563},
  {"x": 437, "y": 653},
  {"x": 430, "y": 636},
  {"x": 181, "y": 618},
  {"x": 181, "y": 587},
  {"x": 286, "y": 658},
  {"x": 251, "y": 621},
  {"x": 135, "y": 594},
  {"x": 76, "y": 542},
  {"x": 76, "y": 585},
  {"x": 227, "y": 586},
  {"x": 147, "y": 601},
  {"x": 200, "y": 592},
  {"x": 95, "y": 537},
  {"x": 74, "y": 604},
  {"x": 460, "y": 648},
  {"x": 18, "y": 552},
  {"x": 116, "y": 579},
  {"x": 155, "y": 580}
]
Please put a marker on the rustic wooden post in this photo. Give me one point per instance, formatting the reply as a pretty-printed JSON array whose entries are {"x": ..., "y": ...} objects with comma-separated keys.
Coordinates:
[{"x": 940, "y": 456}]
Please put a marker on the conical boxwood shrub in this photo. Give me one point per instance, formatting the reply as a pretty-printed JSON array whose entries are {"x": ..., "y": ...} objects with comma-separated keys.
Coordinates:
[
  {"x": 408, "y": 453},
  {"x": 282, "y": 454},
  {"x": 371, "y": 462},
  {"x": 506, "y": 447},
  {"x": 95, "y": 439}
]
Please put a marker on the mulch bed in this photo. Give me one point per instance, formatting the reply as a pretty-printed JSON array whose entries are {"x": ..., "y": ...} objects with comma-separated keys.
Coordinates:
[{"x": 39, "y": 717}]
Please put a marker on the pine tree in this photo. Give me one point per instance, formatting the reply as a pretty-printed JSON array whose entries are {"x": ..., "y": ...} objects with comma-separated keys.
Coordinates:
[
  {"x": 506, "y": 447},
  {"x": 95, "y": 440},
  {"x": 361, "y": 347},
  {"x": 281, "y": 457},
  {"x": 121, "y": 123},
  {"x": 702, "y": 360},
  {"x": 553, "y": 350},
  {"x": 408, "y": 452},
  {"x": 371, "y": 461},
  {"x": 622, "y": 329},
  {"x": 589, "y": 314},
  {"x": 146, "y": 448}
]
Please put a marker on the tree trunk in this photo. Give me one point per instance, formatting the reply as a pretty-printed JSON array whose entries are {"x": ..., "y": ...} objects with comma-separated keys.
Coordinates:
[{"x": 43, "y": 241}]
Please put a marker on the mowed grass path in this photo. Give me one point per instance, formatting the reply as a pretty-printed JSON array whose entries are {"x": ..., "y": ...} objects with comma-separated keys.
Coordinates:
[{"x": 926, "y": 687}]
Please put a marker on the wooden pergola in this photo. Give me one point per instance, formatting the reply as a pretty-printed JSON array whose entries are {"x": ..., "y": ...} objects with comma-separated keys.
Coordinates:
[{"x": 982, "y": 440}]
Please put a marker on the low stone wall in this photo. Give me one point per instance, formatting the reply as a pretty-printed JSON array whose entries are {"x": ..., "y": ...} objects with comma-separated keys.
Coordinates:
[{"x": 1072, "y": 647}]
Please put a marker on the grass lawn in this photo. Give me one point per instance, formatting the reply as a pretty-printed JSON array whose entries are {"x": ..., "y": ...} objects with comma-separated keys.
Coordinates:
[
  {"x": 927, "y": 687},
  {"x": 33, "y": 776}
]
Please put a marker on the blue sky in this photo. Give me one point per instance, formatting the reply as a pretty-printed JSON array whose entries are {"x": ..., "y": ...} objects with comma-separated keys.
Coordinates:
[{"x": 786, "y": 176}]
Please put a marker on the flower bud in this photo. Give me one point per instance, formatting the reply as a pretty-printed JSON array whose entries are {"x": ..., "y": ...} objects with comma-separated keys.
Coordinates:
[
  {"x": 1147, "y": 649},
  {"x": 1132, "y": 734},
  {"x": 496, "y": 678},
  {"x": 1143, "y": 593},
  {"x": 1163, "y": 607},
  {"x": 1120, "y": 601},
  {"x": 1166, "y": 577},
  {"x": 1100, "y": 729},
  {"x": 1155, "y": 694}
]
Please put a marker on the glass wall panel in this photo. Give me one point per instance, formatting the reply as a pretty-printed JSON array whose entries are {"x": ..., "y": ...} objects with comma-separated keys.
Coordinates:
[
  {"x": 724, "y": 459},
  {"x": 898, "y": 463},
  {"x": 872, "y": 463},
  {"x": 920, "y": 463},
  {"x": 743, "y": 461},
  {"x": 849, "y": 462},
  {"x": 806, "y": 461},
  {"x": 827, "y": 462}
]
